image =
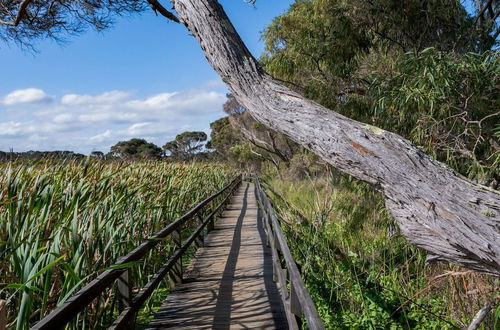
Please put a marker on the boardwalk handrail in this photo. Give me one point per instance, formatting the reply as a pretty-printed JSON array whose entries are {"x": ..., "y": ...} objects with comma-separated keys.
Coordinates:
[
  {"x": 296, "y": 298},
  {"x": 119, "y": 272}
]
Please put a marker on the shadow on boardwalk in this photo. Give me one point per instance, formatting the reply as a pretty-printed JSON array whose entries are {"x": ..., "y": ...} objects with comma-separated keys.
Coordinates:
[{"x": 229, "y": 284}]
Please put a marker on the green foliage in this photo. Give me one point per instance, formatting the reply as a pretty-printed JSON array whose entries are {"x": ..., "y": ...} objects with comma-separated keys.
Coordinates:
[
  {"x": 314, "y": 45},
  {"x": 361, "y": 273},
  {"x": 448, "y": 104},
  {"x": 406, "y": 66},
  {"x": 136, "y": 149},
  {"x": 62, "y": 223},
  {"x": 185, "y": 145},
  {"x": 222, "y": 137}
]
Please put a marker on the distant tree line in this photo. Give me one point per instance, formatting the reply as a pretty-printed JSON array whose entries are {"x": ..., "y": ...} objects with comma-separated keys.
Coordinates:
[
  {"x": 35, "y": 155},
  {"x": 186, "y": 146}
]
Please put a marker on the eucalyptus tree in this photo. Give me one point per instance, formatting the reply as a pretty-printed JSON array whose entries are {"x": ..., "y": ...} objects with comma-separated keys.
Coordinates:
[
  {"x": 409, "y": 67},
  {"x": 136, "y": 149},
  {"x": 263, "y": 142},
  {"x": 436, "y": 208},
  {"x": 185, "y": 145}
]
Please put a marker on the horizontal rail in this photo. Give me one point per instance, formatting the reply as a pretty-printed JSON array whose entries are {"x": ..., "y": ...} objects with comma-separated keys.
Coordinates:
[
  {"x": 148, "y": 289},
  {"x": 294, "y": 293},
  {"x": 63, "y": 314}
]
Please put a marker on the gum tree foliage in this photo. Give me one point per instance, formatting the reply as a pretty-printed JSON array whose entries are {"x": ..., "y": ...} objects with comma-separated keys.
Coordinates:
[
  {"x": 405, "y": 66},
  {"x": 436, "y": 209},
  {"x": 261, "y": 141},
  {"x": 136, "y": 149},
  {"x": 185, "y": 145},
  {"x": 22, "y": 21},
  {"x": 222, "y": 138},
  {"x": 448, "y": 105},
  {"x": 241, "y": 139}
]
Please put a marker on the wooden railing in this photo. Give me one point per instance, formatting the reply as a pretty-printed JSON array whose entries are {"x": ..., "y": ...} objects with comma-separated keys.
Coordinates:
[
  {"x": 296, "y": 298},
  {"x": 119, "y": 273}
]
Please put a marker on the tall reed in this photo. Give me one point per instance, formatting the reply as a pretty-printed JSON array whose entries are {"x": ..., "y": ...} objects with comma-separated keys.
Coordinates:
[{"x": 61, "y": 223}]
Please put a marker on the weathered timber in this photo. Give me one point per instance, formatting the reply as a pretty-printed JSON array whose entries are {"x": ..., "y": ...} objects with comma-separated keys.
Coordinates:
[
  {"x": 479, "y": 317},
  {"x": 294, "y": 293},
  {"x": 229, "y": 283},
  {"x": 436, "y": 208},
  {"x": 63, "y": 314}
]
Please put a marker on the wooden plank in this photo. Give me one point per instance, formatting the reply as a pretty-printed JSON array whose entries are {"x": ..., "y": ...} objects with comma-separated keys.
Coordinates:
[{"x": 229, "y": 282}]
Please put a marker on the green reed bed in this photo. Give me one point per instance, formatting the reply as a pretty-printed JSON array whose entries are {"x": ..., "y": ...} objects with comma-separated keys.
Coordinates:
[
  {"x": 362, "y": 274},
  {"x": 61, "y": 223}
]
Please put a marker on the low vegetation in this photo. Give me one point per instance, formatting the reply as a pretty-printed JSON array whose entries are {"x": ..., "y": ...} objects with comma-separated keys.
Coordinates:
[
  {"x": 61, "y": 223},
  {"x": 361, "y": 273}
]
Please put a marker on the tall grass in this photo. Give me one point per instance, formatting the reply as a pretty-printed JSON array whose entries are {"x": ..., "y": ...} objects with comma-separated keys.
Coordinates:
[
  {"x": 61, "y": 223},
  {"x": 362, "y": 274}
]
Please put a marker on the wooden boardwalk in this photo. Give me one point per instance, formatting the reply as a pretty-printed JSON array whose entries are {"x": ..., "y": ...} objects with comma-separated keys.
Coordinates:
[{"x": 229, "y": 284}]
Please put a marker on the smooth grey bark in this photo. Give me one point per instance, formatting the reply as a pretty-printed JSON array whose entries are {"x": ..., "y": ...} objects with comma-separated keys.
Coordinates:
[{"x": 436, "y": 208}]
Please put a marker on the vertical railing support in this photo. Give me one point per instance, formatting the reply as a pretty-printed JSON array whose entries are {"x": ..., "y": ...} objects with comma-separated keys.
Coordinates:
[
  {"x": 199, "y": 241},
  {"x": 294, "y": 302},
  {"x": 124, "y": 290},
  {"x": 3, "y": 315},
  {"x": 176, "y": 273},
  {"x": 211, "y": 224},
  {"x": 124, "y": 284}
]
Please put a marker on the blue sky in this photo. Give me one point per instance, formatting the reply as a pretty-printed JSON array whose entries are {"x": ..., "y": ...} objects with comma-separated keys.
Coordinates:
[{"x": 145, "y": 77}]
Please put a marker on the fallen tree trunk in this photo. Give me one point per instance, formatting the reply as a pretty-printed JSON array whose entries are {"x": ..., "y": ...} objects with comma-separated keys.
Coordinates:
[{"x": 436, "y": 208}]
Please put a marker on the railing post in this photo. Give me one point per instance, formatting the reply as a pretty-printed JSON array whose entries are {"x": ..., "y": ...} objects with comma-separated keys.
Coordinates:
[
  {"x": 124, "y": 284},
  {"x": 199, "y": 241},
  {"x": 124, "y": 290},
  {"x": 211, "y": 224},
  {"x": 3, "y": 315},
  {"x": 295, "y": 307},
  {"x": 176, "y": 273}
]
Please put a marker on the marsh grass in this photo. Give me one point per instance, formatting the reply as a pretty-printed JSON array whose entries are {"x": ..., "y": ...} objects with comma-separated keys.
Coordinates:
[
  {"x": 61, "y": 223},
  {"x": 362, "y": 274}
]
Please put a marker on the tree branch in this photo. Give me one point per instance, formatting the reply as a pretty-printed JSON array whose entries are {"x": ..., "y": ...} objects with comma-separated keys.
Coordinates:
[
  {"x": 480, "y": 316},
  {"x": 20, "y": 14},
  {"x": 158, "y": 8}
]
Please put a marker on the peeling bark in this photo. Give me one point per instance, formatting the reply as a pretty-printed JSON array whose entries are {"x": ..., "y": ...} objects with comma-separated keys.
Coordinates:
[{"x": 436, "y": 208}]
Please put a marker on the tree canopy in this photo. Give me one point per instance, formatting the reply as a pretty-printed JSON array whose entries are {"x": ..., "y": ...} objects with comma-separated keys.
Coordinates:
[
  {"x": 185, "y": 145},
  {"x": 136, "y": 149},
  {"x": 418, "y": 68}
]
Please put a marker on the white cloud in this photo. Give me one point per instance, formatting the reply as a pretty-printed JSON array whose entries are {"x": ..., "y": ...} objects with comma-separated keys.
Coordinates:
[
  {"x": 10, "y": 128},
  {"x": 27, "y": 96},
  {"x": 84, "y": 122},
  {"x": 184, "y": 103},
  {"x": 110, "y": 116},
  {"x": 104, "y": 98},
  {"x": 63, "y": 118},
  {"x": 20, "y": 129},
  {"x": 159, "y": 101},
  {"x": 102, "y": 137}
]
